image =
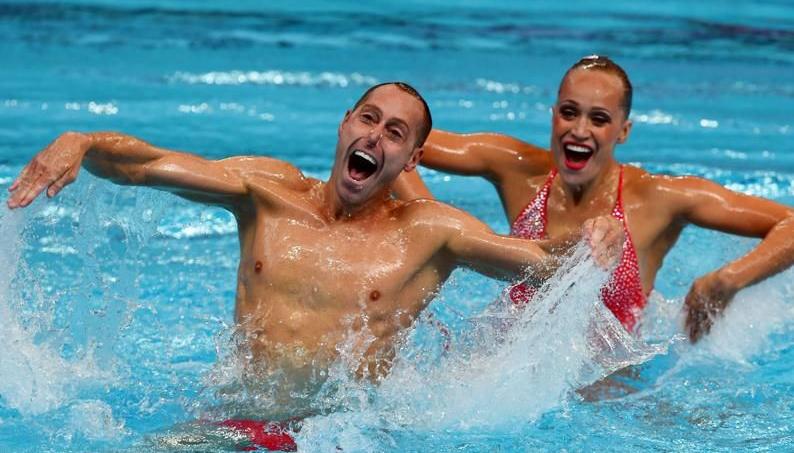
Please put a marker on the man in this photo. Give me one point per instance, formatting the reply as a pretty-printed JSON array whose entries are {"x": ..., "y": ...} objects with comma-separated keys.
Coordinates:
[{"x": 320, "y": 262}]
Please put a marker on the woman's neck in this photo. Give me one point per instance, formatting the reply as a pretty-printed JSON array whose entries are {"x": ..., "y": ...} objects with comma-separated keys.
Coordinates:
[{"x": 589, "y": 192}]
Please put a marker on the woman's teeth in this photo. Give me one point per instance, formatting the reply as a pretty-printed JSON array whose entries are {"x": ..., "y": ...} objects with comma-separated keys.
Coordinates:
[
  {"x": 577, "y": 156},
  {"x": 577, "y": 149}
]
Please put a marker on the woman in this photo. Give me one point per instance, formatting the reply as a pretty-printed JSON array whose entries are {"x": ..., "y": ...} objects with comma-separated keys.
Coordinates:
[{"x": 548, "y": 195}]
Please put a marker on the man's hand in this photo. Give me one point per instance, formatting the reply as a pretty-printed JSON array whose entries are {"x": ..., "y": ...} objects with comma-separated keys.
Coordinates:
[
  {"x": 707, "y": 298},
  {"x": 605, "y": 236},
  {"x": 52, "y": 168}
]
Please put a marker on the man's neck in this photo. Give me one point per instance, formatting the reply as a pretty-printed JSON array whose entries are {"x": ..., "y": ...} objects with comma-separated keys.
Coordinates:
[{"x": 334, "y": 209}]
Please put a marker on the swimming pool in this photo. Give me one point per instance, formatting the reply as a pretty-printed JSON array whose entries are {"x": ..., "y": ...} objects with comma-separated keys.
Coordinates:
[{"x": 116, "y": 302}]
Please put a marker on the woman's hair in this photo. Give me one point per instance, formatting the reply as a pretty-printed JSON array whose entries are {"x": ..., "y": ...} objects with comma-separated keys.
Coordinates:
[{"x": 605, "y": 64}]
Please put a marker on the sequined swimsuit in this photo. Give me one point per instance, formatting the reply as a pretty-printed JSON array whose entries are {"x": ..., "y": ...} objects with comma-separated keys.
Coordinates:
[{"x": 622, "y": 293}]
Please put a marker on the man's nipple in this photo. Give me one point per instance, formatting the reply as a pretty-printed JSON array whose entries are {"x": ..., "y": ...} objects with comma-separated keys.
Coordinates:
[
  {"x": 374, "y": 295},
  {"x": 258, "y": 267}
]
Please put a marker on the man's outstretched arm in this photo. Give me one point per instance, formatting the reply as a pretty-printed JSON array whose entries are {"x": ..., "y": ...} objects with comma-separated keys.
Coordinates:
[
  {"x": 472, "y": 243},
  {"x": 126, "y": 160}
]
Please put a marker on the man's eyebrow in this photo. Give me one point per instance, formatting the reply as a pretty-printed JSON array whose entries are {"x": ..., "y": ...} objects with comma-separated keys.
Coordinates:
[
  {"x": 400, "y": 122},
  {"x": 372, "y": 107}
]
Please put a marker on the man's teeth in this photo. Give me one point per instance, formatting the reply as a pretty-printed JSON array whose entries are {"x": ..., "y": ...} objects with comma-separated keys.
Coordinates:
[
  {"x": 577, "y": 149},
  {"x": 366, "y": 157}
]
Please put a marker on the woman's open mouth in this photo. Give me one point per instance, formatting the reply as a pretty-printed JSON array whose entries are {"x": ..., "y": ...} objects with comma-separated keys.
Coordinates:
[
  {"x": 361, "y": 165},
  {"x": 576, "y": 155}
]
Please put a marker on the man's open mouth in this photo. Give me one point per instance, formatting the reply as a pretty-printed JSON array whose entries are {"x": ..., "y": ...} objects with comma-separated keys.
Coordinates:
[
  {"x": 361, "y": 165},
  {"x": 576, "y": 155}
]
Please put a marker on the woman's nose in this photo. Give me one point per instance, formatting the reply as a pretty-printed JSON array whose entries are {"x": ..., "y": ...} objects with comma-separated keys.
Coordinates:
[{"x": 580, "y": 128}]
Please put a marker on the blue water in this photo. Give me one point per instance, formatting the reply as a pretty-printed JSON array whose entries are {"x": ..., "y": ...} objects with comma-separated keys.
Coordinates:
[{"x": 115, "y": 303}]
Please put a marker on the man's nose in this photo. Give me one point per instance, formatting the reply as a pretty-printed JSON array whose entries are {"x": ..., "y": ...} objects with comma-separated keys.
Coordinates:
[{"x": 374, "y": 136}]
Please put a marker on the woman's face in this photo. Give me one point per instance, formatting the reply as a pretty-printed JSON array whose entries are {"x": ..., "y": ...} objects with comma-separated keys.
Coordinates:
[{"x": 587, "y": 122}]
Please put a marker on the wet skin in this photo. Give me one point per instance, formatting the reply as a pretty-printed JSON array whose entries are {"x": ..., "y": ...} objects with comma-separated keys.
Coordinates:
[
  {"x": 321, "y": 263},
  {"x": 588, "y": 112}
]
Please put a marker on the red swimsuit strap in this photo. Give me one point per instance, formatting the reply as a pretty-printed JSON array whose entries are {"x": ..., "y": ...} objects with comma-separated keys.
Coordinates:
[
  {"x": 618, "y": 209},
  {"x": 521, "y": 225},
  {"x": 546, "y": 195}
]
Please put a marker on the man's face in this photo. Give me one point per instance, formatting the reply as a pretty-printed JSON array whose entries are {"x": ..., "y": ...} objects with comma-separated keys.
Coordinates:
[{"x": 376, "y": 142}]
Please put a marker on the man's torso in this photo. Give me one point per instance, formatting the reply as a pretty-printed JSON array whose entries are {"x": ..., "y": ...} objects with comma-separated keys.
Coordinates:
[{"x": 308, "y": 284}]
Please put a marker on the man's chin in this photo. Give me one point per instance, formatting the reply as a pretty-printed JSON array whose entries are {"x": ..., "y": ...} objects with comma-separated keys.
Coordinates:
[{"x": 351, "y": 195}]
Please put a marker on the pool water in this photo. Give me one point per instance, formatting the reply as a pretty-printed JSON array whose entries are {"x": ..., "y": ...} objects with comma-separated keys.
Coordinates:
[{"x": 116, "y": 303}]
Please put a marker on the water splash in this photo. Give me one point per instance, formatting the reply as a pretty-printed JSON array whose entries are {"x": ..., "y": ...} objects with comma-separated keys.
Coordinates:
[
  {"x": 94, "y": 420},
  {"x": 33, "y": 377},
  {"x": 513, "y": 367},
  {"x": 744, "y": 331},
  {"x": 751, "y": 320}
]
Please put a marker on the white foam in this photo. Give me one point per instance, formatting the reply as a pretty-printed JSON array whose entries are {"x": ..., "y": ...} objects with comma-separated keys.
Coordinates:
[
  {"x": 34, "y": 378},
  {"x": 562, "y": 341},
  {"x": 31, "y": 378},
  {"x": 751, "y": 319},
  {"x": 94, "y": 420},
  {"x": 273, "y": 77}
]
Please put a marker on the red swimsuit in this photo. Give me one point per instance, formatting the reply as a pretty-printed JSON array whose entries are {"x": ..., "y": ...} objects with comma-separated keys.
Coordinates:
[{"x": 623, "y": 293}]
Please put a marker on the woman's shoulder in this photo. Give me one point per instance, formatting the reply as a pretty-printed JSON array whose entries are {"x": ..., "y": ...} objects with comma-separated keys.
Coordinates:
[{"x": 661, "y": 187}]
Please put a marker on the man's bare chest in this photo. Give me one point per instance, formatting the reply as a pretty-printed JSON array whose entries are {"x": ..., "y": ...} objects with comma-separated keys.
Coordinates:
[{"x": 304, "y": 258}]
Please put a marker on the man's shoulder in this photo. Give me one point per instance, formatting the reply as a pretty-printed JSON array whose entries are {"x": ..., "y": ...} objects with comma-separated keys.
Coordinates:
[
  {"x": 430, "y": 213},
  {"x": 252, "y": 168},
  {"x": 259, "y": 163}
]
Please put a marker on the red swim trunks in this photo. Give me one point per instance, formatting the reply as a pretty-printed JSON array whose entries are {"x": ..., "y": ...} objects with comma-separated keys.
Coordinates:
[{"x": 268, "y": 435}]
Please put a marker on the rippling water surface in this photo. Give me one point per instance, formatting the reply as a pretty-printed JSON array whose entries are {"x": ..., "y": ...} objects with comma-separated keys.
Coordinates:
[{"x": 116, "y": 303}]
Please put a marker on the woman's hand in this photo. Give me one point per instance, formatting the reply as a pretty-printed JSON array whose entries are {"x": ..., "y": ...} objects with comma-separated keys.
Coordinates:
[{"x": 706, "y": 300}]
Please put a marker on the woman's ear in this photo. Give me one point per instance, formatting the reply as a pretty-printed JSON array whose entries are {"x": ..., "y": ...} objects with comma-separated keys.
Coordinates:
[{"x": 625, "y": 131}]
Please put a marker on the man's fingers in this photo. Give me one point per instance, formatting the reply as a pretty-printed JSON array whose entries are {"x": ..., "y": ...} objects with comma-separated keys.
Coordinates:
[
  {"x": 65, "y": 179},
  {"x": 16, "y": 194},
  {"x": 597, "y": 233},
  {"x": 602, "y": 256},
  {"x": 20, "y": 179},
  {"x": 55, "y": 188},
  {"x": 587, "y": 231},
  {"x": 34, "y": 190},
  {"x": 22, "y": 184}
]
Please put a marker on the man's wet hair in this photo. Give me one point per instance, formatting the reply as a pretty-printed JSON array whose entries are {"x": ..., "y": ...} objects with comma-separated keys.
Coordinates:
[
  {"x": 427, "y": 125},
  {"x": 605, "y": 64}
]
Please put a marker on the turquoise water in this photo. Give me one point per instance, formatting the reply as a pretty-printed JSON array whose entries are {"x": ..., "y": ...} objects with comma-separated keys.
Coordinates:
[{"x": 116, "y": 302}]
